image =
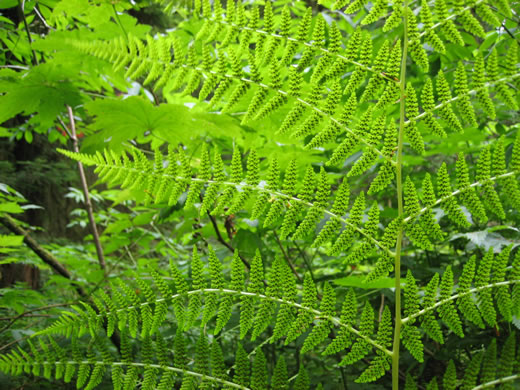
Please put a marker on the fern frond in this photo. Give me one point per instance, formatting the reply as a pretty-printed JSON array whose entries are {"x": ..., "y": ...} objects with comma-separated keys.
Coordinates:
[
  {"x": 381, "y": 363},
  {"x": 447, "y": 312},
  {"x": 361, "y": 348},
  {"x": 255, "y": 286}
]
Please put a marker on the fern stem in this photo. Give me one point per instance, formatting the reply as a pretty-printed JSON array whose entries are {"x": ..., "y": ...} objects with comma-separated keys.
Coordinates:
[
  {"x": 400, "y": 205},
  {"x": 317, "y": 313},
  {"x": 308, "y": 44},
  {"x": 497, "y": 381},
  {"x": 471, "y": 92},
  {"x": 453, "y": 297},
  {"x": 455, "y": 193}
]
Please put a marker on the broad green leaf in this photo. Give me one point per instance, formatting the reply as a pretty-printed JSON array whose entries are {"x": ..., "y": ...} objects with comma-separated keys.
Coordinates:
[
  {"x": 358, "y": 281},
  {"x": 10, "y": 207}
]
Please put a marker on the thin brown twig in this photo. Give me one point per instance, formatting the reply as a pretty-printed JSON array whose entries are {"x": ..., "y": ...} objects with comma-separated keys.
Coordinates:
[
  {"x": 224, "y": 242},
  {"x": 28, "y": 314},
  {"x": 305, "y": 260},
  {"x": 88, "y": 203},
  {"x": 26, "y": 26},
  {"x": 49, "y": 259},
  {"x": 289, "y": 262}
]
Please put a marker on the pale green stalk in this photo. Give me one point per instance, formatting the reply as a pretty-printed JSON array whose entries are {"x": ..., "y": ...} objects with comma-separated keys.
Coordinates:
[{"x": 399, "y": 183}]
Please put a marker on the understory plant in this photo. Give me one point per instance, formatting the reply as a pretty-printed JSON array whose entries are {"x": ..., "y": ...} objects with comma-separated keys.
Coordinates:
[{"x": 378, "y": 140}]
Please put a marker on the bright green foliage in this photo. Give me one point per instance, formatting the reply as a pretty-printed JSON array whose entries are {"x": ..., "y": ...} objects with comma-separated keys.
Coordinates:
[
  {"x": 411, "y": 296},
  {"x": 280, "y": 379},
  {"x": 502, "y": 293},
  {"x": 515, "y": 294},
  {"x": 345, "y": 239},
  {"x": 417, "y": 51},
  {"x": 490, "y": 196},
  {"x": 348, "y": 314},
  {"x": 217, "y": 282},
  {"x": 259, "y": 373},
  {"x": 508, "y": 182},
  {"x": 449, "y": 204},
  {"x": 428, "y": 104},
  {"x": 432, "y": 385},
  {"x": 412, "y": 111},
  {"x": 429, "y": 323},
  {"x": 256, "y": 286},
  {"x": 302, "y": 381},
  {"x": 431, "y": 36},
  {"x": 368, "y": 158},
  {"x": 444, "y": 93},
  {"x": 285, "y": 317},
  {"x": 502, "y": 89},
  {"x": 381, "y": 362},
  {"x": 218, "y": 367},
  {"x": 321, "y": 331},
  {"x": 242, "y": 367},
  {"x": 305, "y": 194},
  {"x": 338, "y": 209},
  {"x": 315, "y": 213},
  {"x": 507, "y": 358},
  {"x": 447, "y": 312},
  {"x": 469, "y": 196},
  {"x": 412, "y": 342},
  {"x": 344, "y": 99},
  {"x": 365, "y": 249},
  {"x": 361, "y": 347},
  {"x": 465, "y": 302},
  {"x": 415, "y": 232},
  {"x": 486, "y": 306},
  {"x": 479, "y": 80},
  {"x": 489, "y": 363},
  {"x": 461, "y": 88},
  {"x": 304, "y": 318},
  {"x": 449, "y": 381},
  {"x": 202, "y": 358},
  {"x": 267, "y": 308},
  {"x": 448, "y": 28},
  {"x": 471, "y": 374},
  {"x": 237, "y": 284},
  {"x": 197, "y": 283},
  {"x": 386, "y": 172}
]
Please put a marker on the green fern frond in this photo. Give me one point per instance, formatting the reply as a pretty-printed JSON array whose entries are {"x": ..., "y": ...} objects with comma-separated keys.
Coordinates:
[
  {"x": 485, "y": 298},
  {"x": 465, "y": 302},
  {"x": 381, "y": 363},
  {"x": 471, "y": 373},
  {"x": 280, "y": 378},
  {"x": 348, "y": 315},
  {"x": 447, "y": 312},
  {"x": 255, "y": 286},
  {"x": 322, "y": 329},
  {"x": 449, "y": 380},
  {"x": 361, "y": 348},
  {"x": 304, "y": 318}
]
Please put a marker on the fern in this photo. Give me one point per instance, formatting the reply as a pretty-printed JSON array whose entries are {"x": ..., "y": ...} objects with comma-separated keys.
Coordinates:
[{"x": 367, "y": 98}]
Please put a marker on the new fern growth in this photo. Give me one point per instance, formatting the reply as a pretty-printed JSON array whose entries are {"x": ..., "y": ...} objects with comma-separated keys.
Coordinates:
[{"x": 409, "y": 150}]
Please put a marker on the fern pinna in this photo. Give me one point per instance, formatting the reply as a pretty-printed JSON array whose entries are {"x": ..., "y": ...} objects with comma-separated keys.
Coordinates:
[{"x": 362, "y": 105}]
